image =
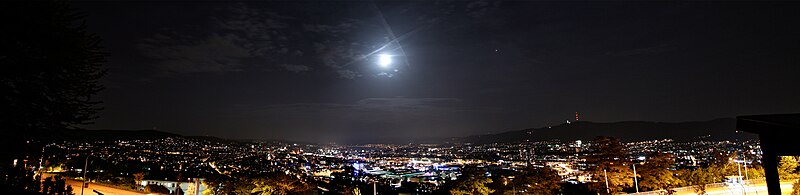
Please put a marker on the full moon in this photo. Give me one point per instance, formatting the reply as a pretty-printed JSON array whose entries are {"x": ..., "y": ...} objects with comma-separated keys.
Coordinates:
[{"x": 384, "y": 60}]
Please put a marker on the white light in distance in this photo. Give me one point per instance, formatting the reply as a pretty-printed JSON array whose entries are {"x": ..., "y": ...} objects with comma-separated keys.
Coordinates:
[{"x": 384, "y": 60}]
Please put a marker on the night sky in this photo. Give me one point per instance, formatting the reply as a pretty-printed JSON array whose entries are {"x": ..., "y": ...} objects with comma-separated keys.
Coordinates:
[{"x": 309, "y": 71}]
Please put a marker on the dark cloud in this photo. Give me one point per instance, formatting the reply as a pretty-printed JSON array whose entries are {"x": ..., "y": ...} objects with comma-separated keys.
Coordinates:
[
  {"x": 335, "y": 30},
  {"x": 661, "y": 48},
  {"x": 264, "y": 31},
  {"x": 480, "y": 8},
  {"x": 241, "y": 38},
  {"x": 347, "y": 74},
  {"x": 244, "y": 37},
  {"x": 184, "y": 54},
  {"x": 296, "y": 68}
]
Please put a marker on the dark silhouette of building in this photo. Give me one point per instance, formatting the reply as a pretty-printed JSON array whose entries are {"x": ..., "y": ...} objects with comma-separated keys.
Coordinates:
[{"x": 772, "y": 130}]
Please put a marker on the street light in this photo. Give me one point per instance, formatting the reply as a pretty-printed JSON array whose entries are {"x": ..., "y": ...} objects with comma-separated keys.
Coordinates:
[
  {"x": 739, "y": 167},
  {"x": 607, "y": 189},
  {"x": 85, "y": 167},
  {"x": 745, "y": 170},
  {"x": 635, "y": 179},
  {"x": 740, "y": 180}
]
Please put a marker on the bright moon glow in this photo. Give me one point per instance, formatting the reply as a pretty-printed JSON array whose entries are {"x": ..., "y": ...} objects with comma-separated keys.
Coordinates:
[{"x": 384, "y": 60}]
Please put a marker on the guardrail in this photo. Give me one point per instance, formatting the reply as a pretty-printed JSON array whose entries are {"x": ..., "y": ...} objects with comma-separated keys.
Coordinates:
[
  {"x": 692, "y": 188},
  {"x": 111, "y": 185}
]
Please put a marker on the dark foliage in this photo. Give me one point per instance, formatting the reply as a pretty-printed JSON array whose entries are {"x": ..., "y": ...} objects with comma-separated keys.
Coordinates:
[
  {"x": 157, "y": 189},
  {"x": 51, "y": 67}
]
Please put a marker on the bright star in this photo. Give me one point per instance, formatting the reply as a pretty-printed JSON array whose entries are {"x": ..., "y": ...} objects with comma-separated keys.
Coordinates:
[{"x": 384, "y": 60}]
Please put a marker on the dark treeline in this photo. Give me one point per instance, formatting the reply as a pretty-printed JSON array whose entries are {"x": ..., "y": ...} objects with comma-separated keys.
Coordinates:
[{"x": 51, "y": 66}]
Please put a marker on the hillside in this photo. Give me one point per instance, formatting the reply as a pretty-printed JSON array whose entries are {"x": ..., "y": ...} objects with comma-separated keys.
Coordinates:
[
  {"x": 718, "y": 129},
  {"x": 92, "y": 135}
]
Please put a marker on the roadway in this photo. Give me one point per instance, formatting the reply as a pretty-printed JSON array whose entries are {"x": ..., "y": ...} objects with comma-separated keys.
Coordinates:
[
  {"x": 756, "y": 189},
  {"x": 105, "y": 190}
]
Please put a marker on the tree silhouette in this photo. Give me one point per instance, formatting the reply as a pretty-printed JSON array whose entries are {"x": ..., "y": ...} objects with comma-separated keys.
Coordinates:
[
  {"x": 153, "y": 188},
  {"x": 60, "y": 185},
  {"x": 606, "y": 149},
  {"x": 655, "y": 173},
  {"x": 279, "y": 183},
  {"x": 178, "y": 178},
  {"x": 137, "y": 178},
  {"x": 537, "y": 181},
  {"x": 234, "y": 184},
  {"x": 698, "y": 178},
  {"x": 36, "y": 183},
  {"x": 51, "y": 66},
  {"x": 787, "y": 167},
  {"x": 214, "y": 183},
  {"x": 239, "y": 185},
  {"x": 47, "y": 185},
  {"x": 755, "y": 171},
  {"x": 608, "y": 156},
  {"x": 723, "y": 165},
  {"x": 69, "y": 190},
  {"x": 178, "y": 191},
  {"x": 471, "y": 182}
]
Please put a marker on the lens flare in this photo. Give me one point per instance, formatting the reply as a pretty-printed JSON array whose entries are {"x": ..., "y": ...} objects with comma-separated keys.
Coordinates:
[{"x": 384, "y": 60}]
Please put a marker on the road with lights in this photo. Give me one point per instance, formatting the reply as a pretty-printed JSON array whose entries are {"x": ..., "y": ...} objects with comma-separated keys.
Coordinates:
[
  {"x": 756, "y": 189},
  {"x": 94, "y": 188}
]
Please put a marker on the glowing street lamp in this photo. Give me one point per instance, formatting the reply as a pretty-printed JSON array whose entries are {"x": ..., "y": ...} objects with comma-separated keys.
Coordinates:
[
  {"x": 85, "y": 166},
  {"x": 608, "y": 190},
  {"x": 635, "y": 179}
]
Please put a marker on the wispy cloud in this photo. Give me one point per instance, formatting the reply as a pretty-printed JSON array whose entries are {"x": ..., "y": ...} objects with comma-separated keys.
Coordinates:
[
  {"x": 656, "y": 49},
  {"x": 244, "y": 37},
  {"x": 347, "y": 74},
  {"x": 183, "y": 54},
  {"x": 296, "y": 68},
  {"x": 480, "y": 8},
  {"x": 232, "y": 43}
]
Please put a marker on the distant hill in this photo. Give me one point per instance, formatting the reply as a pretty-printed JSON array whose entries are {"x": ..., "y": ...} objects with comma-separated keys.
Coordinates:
[
  {"x": 400, "y": 140},
  {"x": 717, "y": 129},
  {"x": 213, "y": 139},
  {"x": 94, "y": 135},
  {"x": 18, "y": 143}
]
